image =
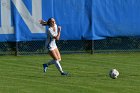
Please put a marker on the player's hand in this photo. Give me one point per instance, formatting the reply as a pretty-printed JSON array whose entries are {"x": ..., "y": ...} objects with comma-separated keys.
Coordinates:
[{"x": 59, "y": 28}]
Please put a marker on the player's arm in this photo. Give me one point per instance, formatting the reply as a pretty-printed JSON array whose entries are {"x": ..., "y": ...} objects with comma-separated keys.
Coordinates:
[
  {"x": 53, "y": 34},
  {"x": 59, "y": 32},
  {"x": 43, "y": 22}
]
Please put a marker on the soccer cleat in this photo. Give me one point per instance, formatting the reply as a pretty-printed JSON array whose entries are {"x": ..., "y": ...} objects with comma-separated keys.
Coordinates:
[
  {"x": 45, "y": 67},
  {"x": 64, "y": 74}
]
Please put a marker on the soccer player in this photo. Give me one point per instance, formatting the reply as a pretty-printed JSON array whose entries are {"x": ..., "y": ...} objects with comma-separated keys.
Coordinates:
[{"x": 53, "y": 34}]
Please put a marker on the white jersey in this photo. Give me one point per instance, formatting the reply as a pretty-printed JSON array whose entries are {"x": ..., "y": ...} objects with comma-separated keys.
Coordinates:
[{"x": 50, "y": 42}]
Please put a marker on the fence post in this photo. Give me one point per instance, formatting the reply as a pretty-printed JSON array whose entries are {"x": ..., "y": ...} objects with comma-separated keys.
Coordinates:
[
  {"x": 16, "y": 50},
  {"x": 92, "y": 46}
]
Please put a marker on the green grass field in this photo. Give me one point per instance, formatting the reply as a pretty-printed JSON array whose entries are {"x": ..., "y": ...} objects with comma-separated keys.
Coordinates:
[{"x": 88, "y": 74}]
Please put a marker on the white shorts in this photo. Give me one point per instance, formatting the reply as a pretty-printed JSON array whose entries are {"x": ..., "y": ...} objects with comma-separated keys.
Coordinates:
[
  {"x": 51, "y": 45},
  {"x": 52, "y": 48}
]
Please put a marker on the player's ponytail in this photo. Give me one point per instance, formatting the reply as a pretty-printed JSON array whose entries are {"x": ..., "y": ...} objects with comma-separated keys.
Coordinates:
[
  {"x": 49, "y": 22},
  {"x": 46, "y": 23}
]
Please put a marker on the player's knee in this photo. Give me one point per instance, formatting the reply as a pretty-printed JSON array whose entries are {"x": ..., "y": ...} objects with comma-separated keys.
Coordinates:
[{"x": 59, "y": 59}]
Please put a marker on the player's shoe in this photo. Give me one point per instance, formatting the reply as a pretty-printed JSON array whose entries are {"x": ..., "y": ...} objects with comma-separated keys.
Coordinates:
[
  {"x": 45, "y": 67},
  {"x": 64, "y": 74}
]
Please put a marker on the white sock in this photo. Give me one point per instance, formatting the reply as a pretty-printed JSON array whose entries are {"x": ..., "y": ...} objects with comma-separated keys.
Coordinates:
[
  {"x": 51, "y": 62},
  {"x": 58, "y": 66}
]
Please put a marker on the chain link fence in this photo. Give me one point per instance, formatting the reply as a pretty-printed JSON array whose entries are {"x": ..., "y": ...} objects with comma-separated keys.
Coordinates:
[
  {"x": 109, "y": 45},
  {"x": 118, "y": 44}
]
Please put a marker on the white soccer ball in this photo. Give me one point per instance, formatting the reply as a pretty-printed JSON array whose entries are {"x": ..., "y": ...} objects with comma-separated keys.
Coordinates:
[{"x": 114, "y": 73}]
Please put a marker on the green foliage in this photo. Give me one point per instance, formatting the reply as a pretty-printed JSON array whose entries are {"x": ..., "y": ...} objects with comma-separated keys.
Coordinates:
[{"x": 88, "y": 74}]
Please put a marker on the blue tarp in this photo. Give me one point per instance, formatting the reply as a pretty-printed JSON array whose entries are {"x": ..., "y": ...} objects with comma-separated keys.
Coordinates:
[
  {"x": 80, "y": 19},
  {"x": 112, "y": 18}
]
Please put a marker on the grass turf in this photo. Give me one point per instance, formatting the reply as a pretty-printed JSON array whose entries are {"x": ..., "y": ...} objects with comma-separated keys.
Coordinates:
[{"x": 88, "y": 74}]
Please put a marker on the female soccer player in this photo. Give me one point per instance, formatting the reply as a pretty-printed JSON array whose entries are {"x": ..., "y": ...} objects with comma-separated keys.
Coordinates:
[{"x": 53, "y": 34}]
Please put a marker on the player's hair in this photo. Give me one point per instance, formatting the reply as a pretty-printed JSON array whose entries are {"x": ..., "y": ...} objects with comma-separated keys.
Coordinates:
[{"x": 49, "y": 22}]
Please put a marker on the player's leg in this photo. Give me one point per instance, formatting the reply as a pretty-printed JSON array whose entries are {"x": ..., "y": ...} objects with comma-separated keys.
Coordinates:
[
  {"x": 58, "y": 65},
  {"x": 53, "y": 54},
  {"x": 58, "y": 54},
  {"x": 56, "y": 58},
  {"x": 53, "y": 61},
  {"x": 50, "y": 62}
]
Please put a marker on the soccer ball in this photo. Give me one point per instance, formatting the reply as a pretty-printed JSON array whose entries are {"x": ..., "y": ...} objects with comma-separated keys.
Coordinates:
[{"x": 114, "y": 73}]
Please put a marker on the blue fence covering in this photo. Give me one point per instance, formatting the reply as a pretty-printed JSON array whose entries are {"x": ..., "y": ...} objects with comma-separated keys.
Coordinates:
[
  {"x": 80, "y": 19},
  {"x": 112, "y": 18}
]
